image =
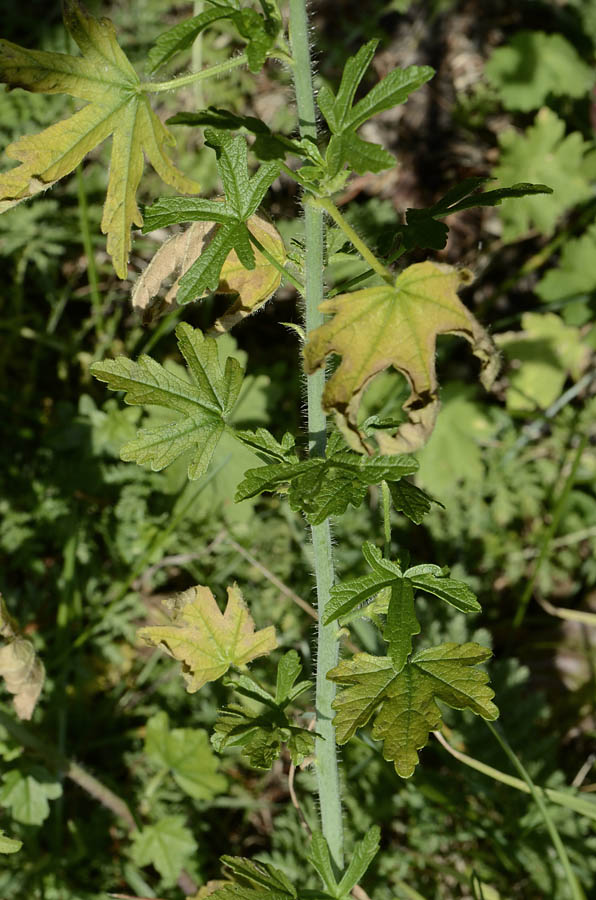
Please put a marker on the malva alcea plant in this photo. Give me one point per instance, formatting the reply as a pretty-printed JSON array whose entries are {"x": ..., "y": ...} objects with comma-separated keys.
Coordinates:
[{"x": 392, "y": 323}]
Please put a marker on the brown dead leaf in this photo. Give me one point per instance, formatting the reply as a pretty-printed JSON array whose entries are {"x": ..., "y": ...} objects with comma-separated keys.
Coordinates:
[{"x": 156, "y": 289}]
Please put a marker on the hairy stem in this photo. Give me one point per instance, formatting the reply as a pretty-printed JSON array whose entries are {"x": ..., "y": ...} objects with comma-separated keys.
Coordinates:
[
  {"x": 327, "y": 642},
  {"x": 156, "y": 87}
]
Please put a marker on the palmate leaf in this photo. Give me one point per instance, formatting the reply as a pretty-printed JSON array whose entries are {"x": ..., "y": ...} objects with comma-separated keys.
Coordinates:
[
  {"x": 206, "y": 641},
  {"x": 253, "y": 880},
  {"x": 262, "y": 734},
  {"x": 188, "y": 756},
  {"x": 244, "y": 194},
  {"x": 321, "y": 487},
  {"x": 116, "y": 105},
  {"x": 347, "y": 595},
  {"x": 534, "y": 65},
  {"x": 26, "y": 793},
  {"x": 344, "y": 117},
  {"x": 544, "y": 152},
  {"x": 204, "y": 403},
  {"x": 167, "y": 845},
  {"x": 405, "y": 702},
  {"x": 395, "y": 325}
]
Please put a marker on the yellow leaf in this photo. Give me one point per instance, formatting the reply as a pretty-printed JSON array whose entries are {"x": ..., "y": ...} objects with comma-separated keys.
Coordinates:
[
  {"x": 251, "y": 287},
  {"x": 396, "y": 325},
  {"x": 117, "y": 105},
  {"x": 206, "y": 641},
  {"x": 21, "y": 668}
]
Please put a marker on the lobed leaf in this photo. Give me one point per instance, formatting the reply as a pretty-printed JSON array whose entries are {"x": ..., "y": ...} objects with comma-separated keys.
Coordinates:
[
  {"x": 403, "y": 322},
  {"x": 206, "y": 641},
  {"x": 183, "y": 35},
  {"x": 186, "y": 752},
  {"x": 117, "y": 106},
  {"x": 204, "y": 403},
  {"x": 405, "y": 702},
  {"x": 167, "y": 845}
]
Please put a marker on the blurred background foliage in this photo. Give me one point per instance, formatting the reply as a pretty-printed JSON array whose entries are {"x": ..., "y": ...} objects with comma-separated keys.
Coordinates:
[{"x": 89, "y": 545}]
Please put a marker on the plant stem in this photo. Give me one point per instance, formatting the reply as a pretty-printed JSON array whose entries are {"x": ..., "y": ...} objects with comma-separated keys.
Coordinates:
[
  {"x": 156, "y": 87},
  {"x": 327, "y": 642},
  {"x": 574, "y": 886},
  {"x": 386, "y": 517},
  {"x": 357, "y": 241},
  {"x": 87, "y": 243},
  {"x": 550, "y": 532}
]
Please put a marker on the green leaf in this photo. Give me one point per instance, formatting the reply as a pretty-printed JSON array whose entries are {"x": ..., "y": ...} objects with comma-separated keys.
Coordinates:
[
  {"x": 544, "y": 153},
  {"x": 402, "y": 623},
  {"x": 167, "y": 846},
  {"x": 575, "y": 273},
  {"x": 347, "y": 595},
  {"x": 183, "y": 35},
  {"x": 204, "y": 402},
  {"x": 320, "y": 858},
  {"x": 261, "y": 875},
  {"x": 9, "y": 845},
  {"x": 405, "y": 702},
  {"x": 410, "y": 500},
  {"x": 260, "y": 33},
  {"x": 324, "y": 487},
  {"x": 207, "y": 641},
  {"x": 344, "y": 119},
  {"x": 262, "y": 734},
  {"x": 534, "y": 66},
  {"x": 422, "y": 229},
  {"x": 266, "y": 446},
  {"x": 116, "y": 106},
  {"x": 288, "y": 670},
  {"x": 362, "y": 855},
  {"x": 244, "y": 194},
  {"x": 26, "y": 794},
  {"x": 421, "y": 305},
  {"x": 186, "y": 752},
  {"x": 544, "y": 354}
]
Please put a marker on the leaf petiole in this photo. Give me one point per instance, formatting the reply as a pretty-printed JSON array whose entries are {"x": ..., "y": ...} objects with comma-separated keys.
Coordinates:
[
  {"x": 285, "y": 273},
  {"x": 156, "y": 87},
  {"x": 367, "y": 254}
]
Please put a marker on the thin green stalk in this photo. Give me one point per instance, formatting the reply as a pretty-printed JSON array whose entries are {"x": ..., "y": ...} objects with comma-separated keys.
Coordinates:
[
  {"x": 386, "y": 517},
  {"x": 87, "y": 242},
  {"x": 156, "y": 87},
  {"x": 580, "y": 805},
  {"x": 550, "y": 532},
  {"x": 197, "y": 56},
  {"x": 287, "y": 275},
  {"x": 367, "y": 254},
  {"x": 574, "y": 886},
  {"x": 327, "y": 641}
]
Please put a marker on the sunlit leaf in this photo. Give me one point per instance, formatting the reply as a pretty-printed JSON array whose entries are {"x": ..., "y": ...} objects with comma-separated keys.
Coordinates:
[
  {"x": 166, "y": 845},
  {"x": 186, "y": 752},
  {"x": 206, "y": 641},
  {"x": 395, "y": 325},
  {"x": 20, "y": 666},
  {"x": 116, "y": 105}
]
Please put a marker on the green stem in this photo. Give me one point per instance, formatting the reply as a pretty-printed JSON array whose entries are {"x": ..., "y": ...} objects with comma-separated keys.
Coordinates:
[
  {"x": 327, "y": 642},
  {"x": 367, "y": 254},
  {"x": 197, "y": 56},
  {"x": 386, "y": 517},
  {"x": 550, "y": 532},
  {"x": 156, "y": 87},
  {"x": 88, "y": 243},
  {"x": 574, "y": 886},
  {"x": 287, "y": 275}
]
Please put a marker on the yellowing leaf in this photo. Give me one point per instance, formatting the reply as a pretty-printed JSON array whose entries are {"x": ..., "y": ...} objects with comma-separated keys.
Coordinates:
[
  {"x": 21, "y": 668},
  {"x": 396, "y": 325},
  {"x": 206, "y": 641},
  {"x": 174, "y": 258},
  {"x": 117, "y": 105}
]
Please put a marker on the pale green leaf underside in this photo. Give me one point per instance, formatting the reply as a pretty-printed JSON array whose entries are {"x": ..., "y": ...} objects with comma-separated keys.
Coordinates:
[
  {"x": 104, "y": 78},
  {"x": 203, "y": 403}
]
